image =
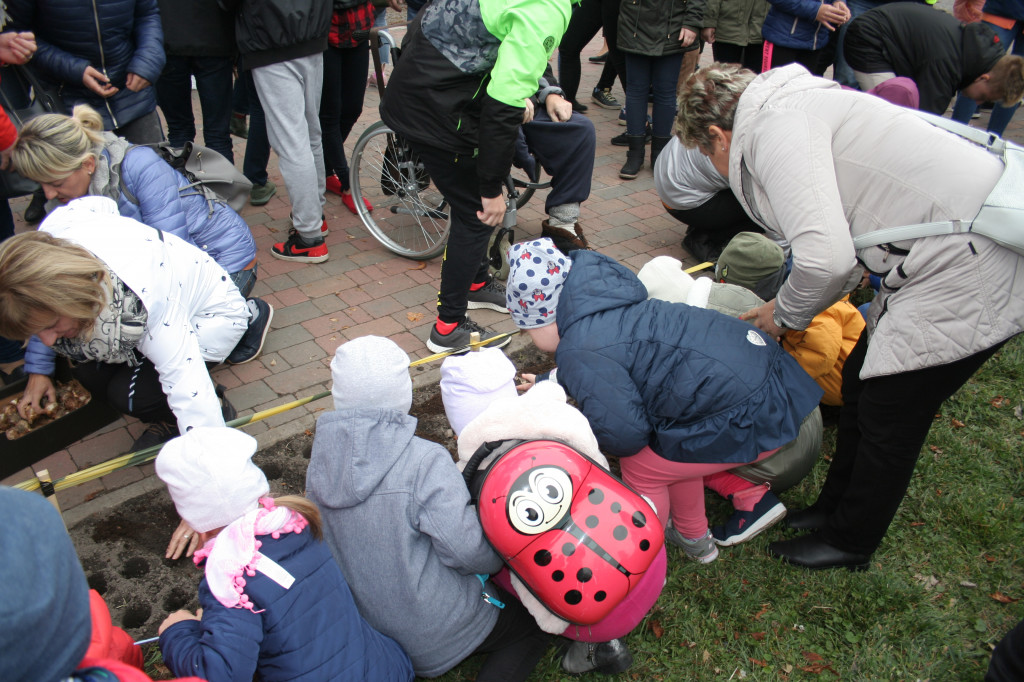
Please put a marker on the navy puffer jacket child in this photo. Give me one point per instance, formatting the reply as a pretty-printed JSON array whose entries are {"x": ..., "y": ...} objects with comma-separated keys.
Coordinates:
[{"x": 693, "y": 384}]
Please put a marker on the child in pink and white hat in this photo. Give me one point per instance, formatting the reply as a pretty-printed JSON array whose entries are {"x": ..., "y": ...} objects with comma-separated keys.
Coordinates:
[{"x": 273, "y": 599}]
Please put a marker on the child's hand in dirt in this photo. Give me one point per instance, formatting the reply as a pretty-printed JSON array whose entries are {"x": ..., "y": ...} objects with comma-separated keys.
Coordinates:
[
  {"x": 177, "y": 617},
  {"x": 528, "y": 380}
]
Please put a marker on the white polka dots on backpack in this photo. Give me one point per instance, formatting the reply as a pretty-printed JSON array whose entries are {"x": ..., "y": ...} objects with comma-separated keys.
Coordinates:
[{"x": 537, "y": 271}]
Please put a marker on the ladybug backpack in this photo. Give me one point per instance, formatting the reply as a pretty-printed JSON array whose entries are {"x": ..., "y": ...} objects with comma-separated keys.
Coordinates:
[{"x": 578, "y": 537}]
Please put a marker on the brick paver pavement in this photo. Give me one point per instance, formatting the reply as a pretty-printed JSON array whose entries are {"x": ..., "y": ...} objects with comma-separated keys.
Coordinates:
[{"x": 364, "y": 289}]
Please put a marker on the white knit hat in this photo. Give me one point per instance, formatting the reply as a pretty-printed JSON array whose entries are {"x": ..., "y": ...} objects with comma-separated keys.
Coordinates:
[
  {"x": 471, "y": 382},
  {"x": 371, "y": 372},
  {"x": 665, "y": 279},
  {"x": 211, "y": 477}
]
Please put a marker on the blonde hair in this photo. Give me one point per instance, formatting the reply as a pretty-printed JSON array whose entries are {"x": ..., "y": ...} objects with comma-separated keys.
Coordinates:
[
  {"x": 1006, "y": 80},
  {"x": 43, "y": 275},
  {"x": 308, "y": 510},
  {"x": 708, "y": 98},
  {"x": 51, "y": 147}
]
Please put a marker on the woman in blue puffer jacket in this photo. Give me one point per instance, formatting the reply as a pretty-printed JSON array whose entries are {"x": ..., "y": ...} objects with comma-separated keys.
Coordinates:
[
  {"x": 800, "y": 31},
  {"x": 71, "y": 156},
  {"x": 677, "y": 392}
]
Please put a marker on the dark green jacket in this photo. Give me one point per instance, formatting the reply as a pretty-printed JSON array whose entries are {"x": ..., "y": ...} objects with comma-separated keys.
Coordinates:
[
  {"x": 737, "y": 22},
  {"x": 651, "y": 27}
]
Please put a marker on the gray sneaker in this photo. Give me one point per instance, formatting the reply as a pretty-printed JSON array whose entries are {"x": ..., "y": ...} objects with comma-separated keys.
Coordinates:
[
  {"x": 702, "y": 549},
  {"x": 491, "y": 296},
  {"x": 460, "y": 337},
  {"x": 603, "y": 98},
  {"x": 261, "y": 194}
]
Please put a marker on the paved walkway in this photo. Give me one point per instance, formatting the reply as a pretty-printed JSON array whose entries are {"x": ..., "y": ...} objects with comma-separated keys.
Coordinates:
[{"x": 364, "y": 289}]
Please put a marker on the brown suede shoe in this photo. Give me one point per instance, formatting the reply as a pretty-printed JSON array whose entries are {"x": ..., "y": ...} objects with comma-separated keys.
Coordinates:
[{"x": 563, "y": 238}]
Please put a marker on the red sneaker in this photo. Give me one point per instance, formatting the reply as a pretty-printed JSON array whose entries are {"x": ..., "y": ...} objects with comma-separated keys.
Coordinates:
[
  {"x": 334, "y": 186},
  {"x": 296, "y": 250},
  {"x": 350, "y": 203}
]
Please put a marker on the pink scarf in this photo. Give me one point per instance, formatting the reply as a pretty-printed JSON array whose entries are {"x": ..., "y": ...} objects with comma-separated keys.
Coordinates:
[{"x": 235, "y": 551}]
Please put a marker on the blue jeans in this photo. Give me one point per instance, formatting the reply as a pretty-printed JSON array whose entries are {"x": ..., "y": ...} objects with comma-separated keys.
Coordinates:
[
  {"x": 841, "y": 71},
  {"x": 245, "y": 280},
  {"x": 965, "y": 107},
  {"x": 642, "y": 74},
  {"x": 257, "y": 145},
  {"x": 174, "y": 95}
]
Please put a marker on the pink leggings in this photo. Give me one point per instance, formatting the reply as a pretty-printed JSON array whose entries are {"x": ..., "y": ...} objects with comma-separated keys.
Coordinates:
[{"x": 675, "y": 488}]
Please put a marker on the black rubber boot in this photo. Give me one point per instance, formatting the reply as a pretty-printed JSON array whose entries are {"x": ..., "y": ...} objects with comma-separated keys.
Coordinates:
[
  {"x": 657, "y": 144},
  {"x": 634, "y": 158}
]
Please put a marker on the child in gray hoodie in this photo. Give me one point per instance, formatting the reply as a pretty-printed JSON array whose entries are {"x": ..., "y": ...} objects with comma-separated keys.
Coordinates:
[{"x": 397, "y": 518}]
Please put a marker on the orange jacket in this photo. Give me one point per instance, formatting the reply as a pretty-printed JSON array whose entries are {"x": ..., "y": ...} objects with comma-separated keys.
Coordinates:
[{"x": 821, "y": 349}]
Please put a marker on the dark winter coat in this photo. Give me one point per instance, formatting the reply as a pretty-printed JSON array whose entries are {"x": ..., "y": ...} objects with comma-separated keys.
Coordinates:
[
  {"x": 693, "y": 384},
  {"x": 197, "y": 28},
  {"x": 939, "y": 53},
  {"x": 1012, "y": 9},
  {"x": 273, "y": 31},
  {"x": 794, "y": 24},
  {"x": 651, "y": 27},
  {"x": 116, "y": 37},
  {"x": 311, "y": 632},
  {"x": 466, "y": 68}
]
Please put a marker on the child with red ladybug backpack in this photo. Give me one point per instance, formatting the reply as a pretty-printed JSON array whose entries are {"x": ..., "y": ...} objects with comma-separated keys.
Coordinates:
[
  {"x": 396, "y": 517},
  {"x": 482, "y": 415},
  {"x": 676, "y": 392}
]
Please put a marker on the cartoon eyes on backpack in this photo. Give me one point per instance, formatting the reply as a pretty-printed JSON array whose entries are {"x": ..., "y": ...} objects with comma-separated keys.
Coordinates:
[{"x": 540, "y": 500}]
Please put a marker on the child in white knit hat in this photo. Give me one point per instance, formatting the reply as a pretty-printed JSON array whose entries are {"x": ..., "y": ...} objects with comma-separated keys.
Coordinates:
[
  {"x": 396, "y": 516},
  {"x": 471, "y": 382},
  {"x": 273, "y": 600}
]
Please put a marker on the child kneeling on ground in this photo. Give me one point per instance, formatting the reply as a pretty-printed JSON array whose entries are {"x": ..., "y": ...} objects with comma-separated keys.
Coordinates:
[
  {"x": 677, "y": 392},
  {"x": 273, "y": 600},
  {"x": 397, "y": 518},
  {"x": 482, "y": 405}
]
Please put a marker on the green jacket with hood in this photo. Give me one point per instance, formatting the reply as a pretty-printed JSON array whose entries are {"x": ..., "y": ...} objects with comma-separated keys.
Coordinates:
[{"x": 466, "y": 68}]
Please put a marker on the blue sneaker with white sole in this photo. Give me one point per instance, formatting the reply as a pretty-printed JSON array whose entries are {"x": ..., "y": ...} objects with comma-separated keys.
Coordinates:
[{"x": 743, "y": 525}]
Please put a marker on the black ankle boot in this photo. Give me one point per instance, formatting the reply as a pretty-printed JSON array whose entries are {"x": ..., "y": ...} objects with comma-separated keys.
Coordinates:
[
  {"x": 657, "y": 144},
  {"x": 36, "y": 210},
  {"x": 609, "y": 658},
  {"x": 634, "y": 158}
]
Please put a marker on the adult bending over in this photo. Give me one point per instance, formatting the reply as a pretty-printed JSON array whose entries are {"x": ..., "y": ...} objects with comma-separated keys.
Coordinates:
[
  {"x": 792, "y": 148},
  {"x": 140, "y": 313}
]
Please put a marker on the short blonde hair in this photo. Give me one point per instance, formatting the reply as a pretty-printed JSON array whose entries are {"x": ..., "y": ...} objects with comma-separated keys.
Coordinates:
[
  {"x": 1006, "y": 80},
  {"x": 43, "y": 275},
  {"x": 708, "y": 98},
  {"x": 51, "y": 147}
]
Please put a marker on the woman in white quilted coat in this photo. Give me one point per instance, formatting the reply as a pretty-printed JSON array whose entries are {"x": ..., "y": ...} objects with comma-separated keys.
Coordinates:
[{"x": 816, "y": 166}]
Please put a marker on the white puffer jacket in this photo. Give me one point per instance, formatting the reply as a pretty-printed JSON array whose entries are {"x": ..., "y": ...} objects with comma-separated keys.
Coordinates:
[{"x": 816, "y": 164}]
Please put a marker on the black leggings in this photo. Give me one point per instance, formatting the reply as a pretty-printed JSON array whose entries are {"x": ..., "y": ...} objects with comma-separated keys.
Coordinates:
[
  {"x": 131, "y": 390},
  {"x": 590, "y": 16},
  {"x": 342, "y": 102},
  {"x": 515, "y": 644}
]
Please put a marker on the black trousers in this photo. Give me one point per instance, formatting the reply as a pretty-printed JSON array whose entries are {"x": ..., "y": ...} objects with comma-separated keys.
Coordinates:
[
  {"x": 816, "y": 61},
  {"x": 747, "y": 56},
  {"x": 515, "y": 644},
  {"x": 341, "y": 103},
  {"x": 587, "y": 19},
  {"x": 465, "y": 257},
  {"x": 1007, "y": 662},
  {"x": 882, "y": 426},
  {"x": 711, "y": 225},
  {"x": 132, "y": 390}
]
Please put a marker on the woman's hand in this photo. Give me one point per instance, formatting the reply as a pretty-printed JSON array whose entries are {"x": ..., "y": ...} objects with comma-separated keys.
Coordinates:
[
  {"x": 97, "y": 82},
  {"x": 687, "y": 36},
  {"x": 184, "y": 539},
  {"x": 833, "y": 16},
  {"x": 17, "y": 48},
  {"x": 763, "y": 318},
  {"x": 135, "y": 82},
  {"x": 177, "y": 617},
  {"x": 708, "y": 35},
  {"x": 39, "y": 386}
]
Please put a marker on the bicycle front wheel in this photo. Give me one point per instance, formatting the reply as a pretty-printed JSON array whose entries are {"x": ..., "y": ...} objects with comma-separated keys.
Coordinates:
[{"x": 410, "y": 217}]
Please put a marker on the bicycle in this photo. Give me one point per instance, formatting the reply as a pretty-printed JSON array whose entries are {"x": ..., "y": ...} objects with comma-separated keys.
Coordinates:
[{"x": 410, "y": 216}]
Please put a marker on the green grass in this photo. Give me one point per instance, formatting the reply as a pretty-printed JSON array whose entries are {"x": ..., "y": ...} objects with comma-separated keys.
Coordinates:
[{"x": 936, "y": 598}]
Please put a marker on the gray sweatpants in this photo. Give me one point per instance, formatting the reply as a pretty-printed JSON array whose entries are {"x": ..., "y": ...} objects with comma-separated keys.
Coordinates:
[{"x": 290, "y": 95}]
